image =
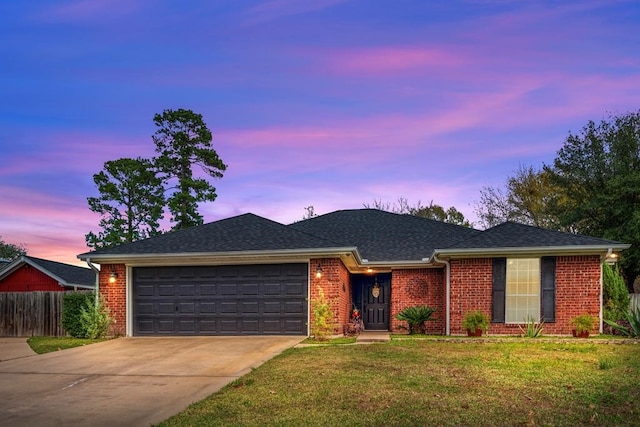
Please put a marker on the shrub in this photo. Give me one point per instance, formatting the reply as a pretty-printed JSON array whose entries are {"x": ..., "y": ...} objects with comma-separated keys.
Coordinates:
[
  {"x": 95, "y": 320},
  {"x": 532, "y": 329},
  {"x": 322, "y": 317},
  {"x": 633, "y": 318},
  {"x": 615, "y": 294},
  {"x": 475, "y": 320},
  {"x": 72, "y": 306},
  {"x": 415, "y": 316},
  {"x": 583, "y": 323}
]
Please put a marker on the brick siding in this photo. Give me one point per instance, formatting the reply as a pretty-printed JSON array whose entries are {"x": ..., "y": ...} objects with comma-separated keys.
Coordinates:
[
  {"x": 115, "y": 295},
  {"x": 418, "y": 287},
  {"x": 336, "y": 286},
  {"x": 577, "y": 292}
]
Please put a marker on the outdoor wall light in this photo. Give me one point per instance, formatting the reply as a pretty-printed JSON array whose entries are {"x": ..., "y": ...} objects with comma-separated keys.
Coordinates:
[
  {"x": 611, "y": 257},
  {"x": 318, "y": 272},
  {"x": 113, "y": 276}
]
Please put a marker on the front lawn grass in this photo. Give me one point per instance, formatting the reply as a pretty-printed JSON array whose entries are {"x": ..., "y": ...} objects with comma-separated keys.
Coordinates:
[
  {"x": 422, "y": 382},
  {"x": 43, "y": 345}
]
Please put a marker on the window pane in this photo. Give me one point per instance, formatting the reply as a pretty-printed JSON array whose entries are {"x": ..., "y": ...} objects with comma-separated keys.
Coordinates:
[{"x": 523, "y": 290}]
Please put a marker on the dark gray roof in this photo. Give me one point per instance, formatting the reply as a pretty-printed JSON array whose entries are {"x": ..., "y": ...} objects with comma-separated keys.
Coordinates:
[
  {"x": 385, "y": 236},
  {"x": 379, "y": 236},
  {"x": 246, "y": 232},
  {"x": 514, "y": 235},
  {"x": 70, "y": 275}
]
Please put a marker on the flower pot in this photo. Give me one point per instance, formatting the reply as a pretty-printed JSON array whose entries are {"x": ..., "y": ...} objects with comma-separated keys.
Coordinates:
[
  {"x": 582, "y": 334},
  {"x": 476, "y": 333}
]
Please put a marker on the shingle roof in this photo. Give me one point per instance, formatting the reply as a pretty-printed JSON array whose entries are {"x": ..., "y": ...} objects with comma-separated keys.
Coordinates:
[
  {"x": 379, "y": 236},
  {"x": 70, "y": 275},
  {"x": 385, "y": 236},
  {"x": 246, "y": 232},
  {"x": 514, "y": 235}
]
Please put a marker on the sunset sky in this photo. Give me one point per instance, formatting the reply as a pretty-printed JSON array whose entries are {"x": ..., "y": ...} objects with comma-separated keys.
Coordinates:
[{"x": 330, "y": 103}]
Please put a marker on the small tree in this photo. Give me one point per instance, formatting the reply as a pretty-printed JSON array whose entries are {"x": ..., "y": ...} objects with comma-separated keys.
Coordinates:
[
  {"x": 11, "y": 251},
  {"x": 616, "y": 297},
  {"x": 323, "y": 316},
  {"x": 95, "y": 319}
]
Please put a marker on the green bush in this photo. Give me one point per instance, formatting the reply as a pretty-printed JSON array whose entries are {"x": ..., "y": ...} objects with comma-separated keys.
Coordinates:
[
  {"x": 95, "y": 320},
  {"x": 72, "y": 306},
  {"x": 615, "y": 295},
  {"x": 323, "y": 316},
  {"x": 415, "y": 316},
  {"x": 475, "y": 320}
]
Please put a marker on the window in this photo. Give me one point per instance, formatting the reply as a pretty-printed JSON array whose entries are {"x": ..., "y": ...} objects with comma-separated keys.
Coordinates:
[{"x": 522, "y": 293}]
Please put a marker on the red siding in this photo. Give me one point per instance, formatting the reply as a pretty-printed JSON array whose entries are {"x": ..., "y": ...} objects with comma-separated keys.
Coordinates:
[{"x": 29, "y": 279}]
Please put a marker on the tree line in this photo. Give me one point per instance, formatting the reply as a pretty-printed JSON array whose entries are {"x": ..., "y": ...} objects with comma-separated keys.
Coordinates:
[{"x": 591, "y": 188}]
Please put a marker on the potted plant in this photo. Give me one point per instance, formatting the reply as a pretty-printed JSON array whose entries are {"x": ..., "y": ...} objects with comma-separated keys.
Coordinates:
[
  {"x": 475, "y": 322},
  {"x": 582, "y": 325}
]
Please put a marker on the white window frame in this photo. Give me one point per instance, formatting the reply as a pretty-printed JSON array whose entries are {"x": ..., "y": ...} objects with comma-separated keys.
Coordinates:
[{"x": 523, "y": 289}]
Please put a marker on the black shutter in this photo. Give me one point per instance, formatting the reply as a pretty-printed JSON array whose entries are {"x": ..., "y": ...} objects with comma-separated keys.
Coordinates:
[
  {"x": 499, "y": 288},
  {"x": 548, "y": 288}
]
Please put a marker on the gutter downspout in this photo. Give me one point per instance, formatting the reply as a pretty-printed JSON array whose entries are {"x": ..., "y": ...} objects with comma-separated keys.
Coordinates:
[
  {"x": 93, "y": 267},
  {"x": 447, "y": 293}
]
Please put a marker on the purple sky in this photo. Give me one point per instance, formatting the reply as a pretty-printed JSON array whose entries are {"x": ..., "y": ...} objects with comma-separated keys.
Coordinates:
[{"x": 330, "y": 103}]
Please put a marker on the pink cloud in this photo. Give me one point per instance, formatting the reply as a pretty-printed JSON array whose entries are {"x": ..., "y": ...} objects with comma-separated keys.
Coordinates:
[{"x": 392, "y": 60}]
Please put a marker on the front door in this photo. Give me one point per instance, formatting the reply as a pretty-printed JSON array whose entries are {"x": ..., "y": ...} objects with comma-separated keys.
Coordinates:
[{"x": 371, "y": 295}]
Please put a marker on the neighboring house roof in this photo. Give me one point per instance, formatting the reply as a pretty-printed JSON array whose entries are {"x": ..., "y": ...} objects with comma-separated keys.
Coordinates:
[
  {"x": 360, "y": 236},
  {"x": 65, "y": 274}
]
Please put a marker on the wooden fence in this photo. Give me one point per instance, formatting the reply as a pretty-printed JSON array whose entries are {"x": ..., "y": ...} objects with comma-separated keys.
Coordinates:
[{"x": 25, "y": 314}]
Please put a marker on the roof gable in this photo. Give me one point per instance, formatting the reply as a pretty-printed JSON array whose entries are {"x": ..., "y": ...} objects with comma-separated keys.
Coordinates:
[{"x": 65, "y": 274}]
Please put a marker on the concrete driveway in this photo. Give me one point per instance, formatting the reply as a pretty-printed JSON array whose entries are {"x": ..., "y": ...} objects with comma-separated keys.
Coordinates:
[{"x": 126, "y": 381}]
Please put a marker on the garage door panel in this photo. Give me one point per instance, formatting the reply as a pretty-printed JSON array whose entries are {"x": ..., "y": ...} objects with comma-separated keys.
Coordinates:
[
  {"x": 250, "y": 290},
  {"x": 207, "y": 289},
  {"x": 228, "y": 289},
  {"x": 207, "y": 307},
  {"x": 295, "y": 289},
  {"x": 294, "y": 307},
  {"x": 187, "y": 290},
  {"x": 166, "y": 307},
  {"x": 220, "y": 300}
]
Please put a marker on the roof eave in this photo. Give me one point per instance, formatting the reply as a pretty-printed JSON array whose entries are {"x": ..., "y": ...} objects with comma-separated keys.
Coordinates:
[
  {"x": 231, "y": 256},
  {"x": 530, "y": 250}
]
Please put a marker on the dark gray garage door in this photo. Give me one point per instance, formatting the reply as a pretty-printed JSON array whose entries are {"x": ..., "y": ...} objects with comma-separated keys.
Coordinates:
[{"x": 221, "y": 300}]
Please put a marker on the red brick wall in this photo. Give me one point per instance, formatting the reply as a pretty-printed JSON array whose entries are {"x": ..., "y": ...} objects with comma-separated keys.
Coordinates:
[
  {"x": 336, "y": 285},
  {"x": 471, "y": 283},
  {"x": 418, "y": 287},
  {"x": 115, "y": 295},
  {"x": 577, "y": 292},
  {"x": 29, "y": 279}
]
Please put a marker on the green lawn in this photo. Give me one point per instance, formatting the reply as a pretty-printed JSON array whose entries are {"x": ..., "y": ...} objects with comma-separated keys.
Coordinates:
[
  {"x": 43, "y": 345},
  {"x": 422, "y": 382}
]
